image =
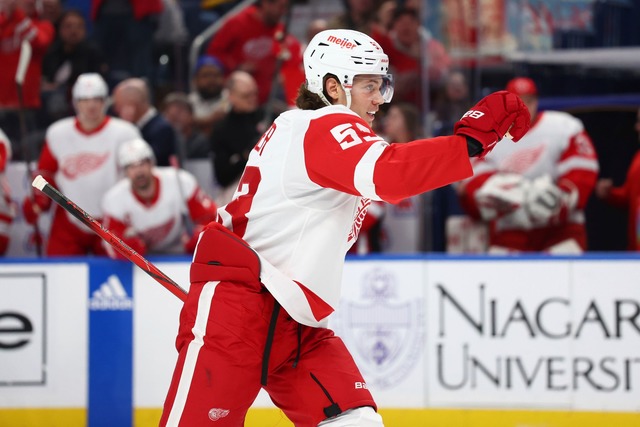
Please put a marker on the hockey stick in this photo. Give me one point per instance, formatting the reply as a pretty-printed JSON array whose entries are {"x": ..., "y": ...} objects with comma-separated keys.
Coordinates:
[
  {"x": 23, "y": 63},
  {"x": 41, "y": 184}
]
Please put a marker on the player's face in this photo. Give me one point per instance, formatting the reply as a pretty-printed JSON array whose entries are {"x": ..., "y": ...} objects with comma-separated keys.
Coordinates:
[
  {"x": 90, "y": 111},
  {"x": 366, "y": 97},
  {"x": 140, "y": 174}
]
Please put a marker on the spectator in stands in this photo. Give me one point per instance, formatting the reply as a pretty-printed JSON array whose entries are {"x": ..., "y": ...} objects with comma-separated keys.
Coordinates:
[
  {"x": 52, "y": 11},
  {"x": 626, "y": 196},
  {"x": 314, "y": 27},
  {"x": 402, "y": 123},
  {"x": 79, "y": 158},
  {"x": 452, "y": 101},
  {"x": 408, "y": 37},
  {"x": 178, "y": 111},
  {"x": 234, "y": 136},
  {"x": 206, "y": 97},
  {"x": 359, "y": 15},
  {"x": 384, "y": 14},
  {"x": 255, "y": 41},
  {"x": 19, "y": 21},
  {"x": 124, "y": 31},
  {"x": 70, "y": 55},
  {"x": 6, "y": 207},
  {"x": 533, "y": 194},
  {"x": 155, "y": 210},
  {"x": 132, "y": 102}
]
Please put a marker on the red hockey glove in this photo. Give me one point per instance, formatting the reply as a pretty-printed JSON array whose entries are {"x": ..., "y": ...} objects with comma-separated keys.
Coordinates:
[
  {"x": 33, "y": 206},
  {"x": 497, "y": 115}
]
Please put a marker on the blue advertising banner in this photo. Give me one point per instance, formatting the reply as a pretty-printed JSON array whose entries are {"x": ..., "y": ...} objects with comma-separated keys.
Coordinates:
[{"x": 110, "y": 344}]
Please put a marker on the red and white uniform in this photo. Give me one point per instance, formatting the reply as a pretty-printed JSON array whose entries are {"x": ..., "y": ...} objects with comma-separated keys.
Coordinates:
[
  {"x": 245, "y": 42},
  {"x": 83, "y": 166},
  {"x": 13, "y": 30},
  {"x": 556, "y": 146},
  {"x": 6, "y": 207},
  {"x": 158, "y": 223},
  {"x": 323, "y": 167},
  {"x": 300, "y": 205}
]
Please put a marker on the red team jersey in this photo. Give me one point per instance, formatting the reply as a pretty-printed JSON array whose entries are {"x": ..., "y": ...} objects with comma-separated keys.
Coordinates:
[
  {"x": 159, "y": 223},
  {"x": 311, "y": 177},
  {"x": 245, "y": 42},
  {"x": 556, "y": 145},
  {"x": 40, "y": 34},
  {"x": 628, "y": 195}
]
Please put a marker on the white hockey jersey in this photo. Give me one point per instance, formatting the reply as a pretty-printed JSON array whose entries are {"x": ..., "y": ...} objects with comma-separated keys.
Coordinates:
[
  {"x": 305, "y": 191},
  {"x": 556, "y": 145},
  {"x": 159, "y": 223},
  {"x": 84, "y": 164}
]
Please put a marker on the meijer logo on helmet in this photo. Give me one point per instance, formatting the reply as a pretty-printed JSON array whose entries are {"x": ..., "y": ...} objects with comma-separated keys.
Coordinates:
[{"x": 341, "y": 42}]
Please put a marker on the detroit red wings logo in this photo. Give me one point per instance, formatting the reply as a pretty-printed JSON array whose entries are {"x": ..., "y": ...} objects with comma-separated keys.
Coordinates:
[
  {"x": 82, "y": 164},
  {"x": 523, "y": 160},
  {"x": 154, "y": 235},
  {"x": 359, "y": 218},
  {"x": 216, "y": 413}
]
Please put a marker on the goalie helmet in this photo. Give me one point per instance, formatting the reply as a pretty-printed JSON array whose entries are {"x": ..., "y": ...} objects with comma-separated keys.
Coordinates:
[
  {"x": 134, "y": 151},
  {"x": 345, "y": 54},
  {"x": 89, "y": 85}
]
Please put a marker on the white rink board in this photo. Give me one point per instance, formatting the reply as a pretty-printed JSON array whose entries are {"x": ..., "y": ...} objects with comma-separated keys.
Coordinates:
[
  {"x": 500, "y": 327},
  {"x": 529, "y": 334},
  {"x": 50, "y": 369},
  {"x": 156, "y": 314},
  {"x": 381, "y": 319}
]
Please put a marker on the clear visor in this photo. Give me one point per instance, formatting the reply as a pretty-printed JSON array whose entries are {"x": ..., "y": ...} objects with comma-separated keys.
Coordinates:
[{"x": 386, "y": 90}]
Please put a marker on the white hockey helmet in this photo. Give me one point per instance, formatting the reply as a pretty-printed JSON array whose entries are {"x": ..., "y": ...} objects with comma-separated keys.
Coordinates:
[
  {"x": 345, "y": 54},
  {"x": 89, "y": 85},
  {"x": 134, "y": 151}
]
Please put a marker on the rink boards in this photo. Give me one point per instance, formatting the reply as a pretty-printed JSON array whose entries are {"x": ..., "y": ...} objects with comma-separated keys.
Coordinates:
[{"x": 442, "y": 341}]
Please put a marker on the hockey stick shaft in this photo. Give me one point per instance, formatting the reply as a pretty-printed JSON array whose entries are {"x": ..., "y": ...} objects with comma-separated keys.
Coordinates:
[{"x": 41, "y": 184}]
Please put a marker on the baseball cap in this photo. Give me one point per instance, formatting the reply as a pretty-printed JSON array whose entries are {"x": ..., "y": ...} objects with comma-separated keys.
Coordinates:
[
  {"x": 89, "y": 85},
  {"x": 522, "y": 86},
  {"x": 208, "y": 60}
]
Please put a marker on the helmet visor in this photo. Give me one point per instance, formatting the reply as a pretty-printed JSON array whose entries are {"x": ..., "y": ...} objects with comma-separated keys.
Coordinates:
[{"x": 386, "y": 90}]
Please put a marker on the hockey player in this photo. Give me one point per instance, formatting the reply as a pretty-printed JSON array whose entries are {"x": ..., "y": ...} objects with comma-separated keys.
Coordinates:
[
  {"x": 533, "y": 194},
  {"x": 6, "y": 207},
  {"x": 79, "y": 157},
  {"x": 267, "y": 274},
  {"x": 148, "y": 209}
]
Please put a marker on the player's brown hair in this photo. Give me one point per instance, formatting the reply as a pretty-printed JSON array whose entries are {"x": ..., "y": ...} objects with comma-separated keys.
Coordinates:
[{"x": 307, "y": 100}]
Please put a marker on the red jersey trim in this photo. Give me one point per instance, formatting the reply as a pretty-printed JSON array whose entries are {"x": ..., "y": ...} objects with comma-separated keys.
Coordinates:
[
  {"x": 319, "y": 308},
  {"x": 101, "y": 126}
]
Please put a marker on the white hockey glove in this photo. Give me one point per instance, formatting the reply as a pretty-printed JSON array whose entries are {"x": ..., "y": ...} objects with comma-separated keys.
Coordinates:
[
  {"x": 500, "y": 195},
  {"x": 545, "y": 201}
]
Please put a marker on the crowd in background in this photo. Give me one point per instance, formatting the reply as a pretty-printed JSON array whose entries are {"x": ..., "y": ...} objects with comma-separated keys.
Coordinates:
[{"x": 218, "y": 107}]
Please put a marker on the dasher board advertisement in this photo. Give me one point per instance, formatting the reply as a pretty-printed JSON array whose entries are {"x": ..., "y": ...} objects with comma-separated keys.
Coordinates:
[
  {"x": 43, "y": 335},
  {"x": 536, "y": 334}
]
